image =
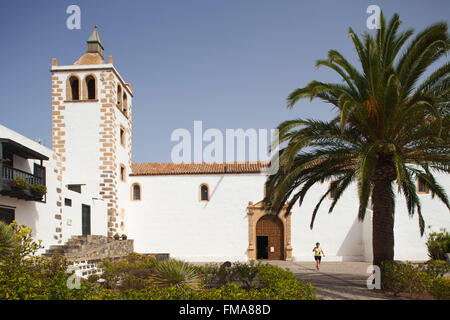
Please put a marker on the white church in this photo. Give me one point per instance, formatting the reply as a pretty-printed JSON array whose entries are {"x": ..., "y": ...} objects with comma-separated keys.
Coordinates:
[{"x": 192, "y": 211}]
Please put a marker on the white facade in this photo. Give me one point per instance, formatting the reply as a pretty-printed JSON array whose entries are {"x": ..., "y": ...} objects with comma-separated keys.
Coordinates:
[
  {"x": 89, "y": 151},
  {"x": 171, "y": 219}
]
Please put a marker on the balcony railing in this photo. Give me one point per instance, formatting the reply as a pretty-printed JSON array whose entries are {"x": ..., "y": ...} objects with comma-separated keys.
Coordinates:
[{"x": 9, "y": 173}]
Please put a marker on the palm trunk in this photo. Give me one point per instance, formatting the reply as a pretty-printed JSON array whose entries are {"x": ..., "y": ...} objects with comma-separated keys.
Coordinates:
[{"x": 382, "y": 221}]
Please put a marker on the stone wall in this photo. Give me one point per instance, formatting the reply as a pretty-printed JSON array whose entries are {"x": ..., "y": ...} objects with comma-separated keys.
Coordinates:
[{"x": 92, "y": 247}]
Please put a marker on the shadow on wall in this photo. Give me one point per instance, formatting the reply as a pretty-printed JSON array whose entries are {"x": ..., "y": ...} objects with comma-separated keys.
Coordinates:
[
  {"x": 352, "y": 248},
  {"x": 26, "y": 212}
]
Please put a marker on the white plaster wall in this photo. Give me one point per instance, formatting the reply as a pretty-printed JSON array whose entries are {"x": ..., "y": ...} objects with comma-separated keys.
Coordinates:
[
  {"x": 171, "y": 219},
  {"x": 123, "y": 157},
  {"x": 409, "y": 245},
  {"x": 72, "y": 215},
  {"x": 367, "y": 236},
  {"x": 23, "y": 164},
  {"x": 339, "y": 233},
  {"x": 82, "y": 129}
]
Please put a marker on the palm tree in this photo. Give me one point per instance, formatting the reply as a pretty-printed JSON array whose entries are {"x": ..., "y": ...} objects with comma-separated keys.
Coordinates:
[{"x": 390, "y": 127}]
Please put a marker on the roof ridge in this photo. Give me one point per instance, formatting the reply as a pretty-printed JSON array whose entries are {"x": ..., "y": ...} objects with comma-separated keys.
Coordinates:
[
  {"x": 187, "y": 163},
  {"x": 170, "y": 168}
]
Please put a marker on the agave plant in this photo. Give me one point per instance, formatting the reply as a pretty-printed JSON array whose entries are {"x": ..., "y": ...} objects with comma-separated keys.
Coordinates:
[{"x": 176, "y": 273}]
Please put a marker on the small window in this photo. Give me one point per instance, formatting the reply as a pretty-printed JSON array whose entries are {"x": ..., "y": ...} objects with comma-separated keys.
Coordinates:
[
  {"x": 122, "y": 173},
  {"x": 119, "y": 96},
  {"x": 74, "y": 187},
  {"x": 422, "y": 186},
  {"x": 122, "y": 137},
  {"x": 136, "y": 192},
  {"x": 74, "y": 88},
  {"x": 125, "y": 103},
  {"x": 67, "y": 202},
  {"x": 204, "y": 192},
  {"x": 8, "y": 158},
  {"x": 7, "y": 214},
  {"x": 332, "y": 193},
  {"x": 90, "y": 86}
]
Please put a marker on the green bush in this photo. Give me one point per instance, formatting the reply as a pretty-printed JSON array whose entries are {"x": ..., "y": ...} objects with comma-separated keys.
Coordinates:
[
  {"x": 208, "y": 274},
  {"x": 224, "y": 275},
  {"x": 245, "y": 273},
  {"x": 438, "y": 245},
  {"x": 261, "y": 281},
  {"x": 437, "y": 268},
  {"x": 93, "y": 278},
  {"x": 282, "y": 285},
  {"x": 399, "y": 277},
  {"x": 216, "y": 276},
  {"x": 440, "y": 288},
  {"x": 429, "y": 278},
  {"x": 23, "y": 275},
  {"x": 230, "y": 291},
  {"x": 134, "y": 272}
]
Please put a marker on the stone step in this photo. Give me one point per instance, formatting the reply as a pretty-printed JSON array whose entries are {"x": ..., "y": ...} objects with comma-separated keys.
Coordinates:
[
  {"x": 91, "y": 247},
  {"x": 56, "y": 251},
  {"x": 56, "y": 247}
]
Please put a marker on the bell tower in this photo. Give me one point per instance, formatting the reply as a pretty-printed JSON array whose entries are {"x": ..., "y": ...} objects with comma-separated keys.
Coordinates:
[{"x": 91, "y": 129}]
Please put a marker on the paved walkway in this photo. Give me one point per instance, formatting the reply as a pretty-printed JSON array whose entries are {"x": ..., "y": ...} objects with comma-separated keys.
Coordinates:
[{"x": 336, "y": 280}]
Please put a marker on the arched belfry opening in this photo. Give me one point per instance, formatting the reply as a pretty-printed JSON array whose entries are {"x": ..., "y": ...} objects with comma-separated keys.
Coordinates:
[
  {"x": 74, "y": 84},
  {"x": 90, "y": 86},
  {"x": 269, "y": 235}
]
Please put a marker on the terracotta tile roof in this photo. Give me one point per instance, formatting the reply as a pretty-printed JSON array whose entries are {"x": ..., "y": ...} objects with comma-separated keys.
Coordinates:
[
  {"x": 158, "y": 168},
  {"x": 90, "y": 58}
]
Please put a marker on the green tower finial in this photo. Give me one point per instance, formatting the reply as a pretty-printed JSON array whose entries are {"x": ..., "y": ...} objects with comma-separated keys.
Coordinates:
[{"x": 94, "y": 42}]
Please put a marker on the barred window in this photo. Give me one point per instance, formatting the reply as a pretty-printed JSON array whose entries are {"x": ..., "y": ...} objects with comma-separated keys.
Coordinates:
[{"x": 136, "y": 192}]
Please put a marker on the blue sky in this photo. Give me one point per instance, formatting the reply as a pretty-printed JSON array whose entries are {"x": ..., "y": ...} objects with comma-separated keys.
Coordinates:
[{"x": 229, "y": 63}]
